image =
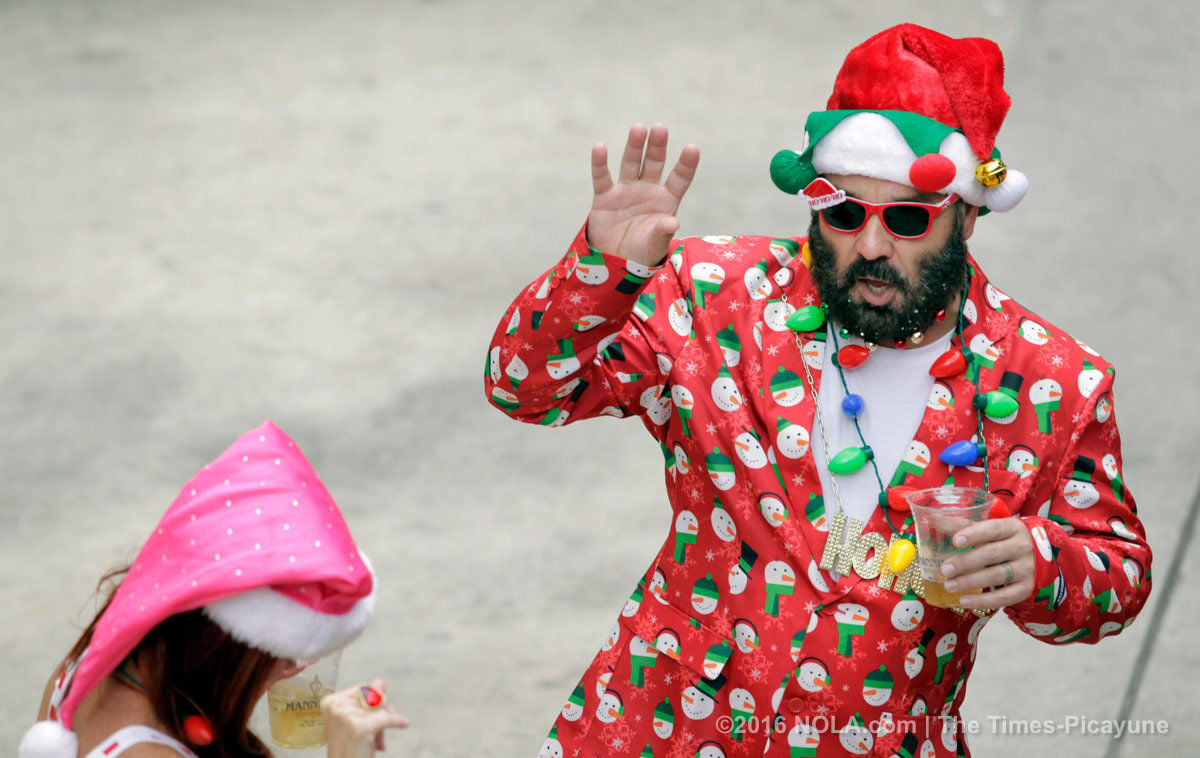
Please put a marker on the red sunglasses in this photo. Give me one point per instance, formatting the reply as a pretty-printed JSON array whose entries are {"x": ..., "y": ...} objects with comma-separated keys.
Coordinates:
[{"x": 904, "y": 220}]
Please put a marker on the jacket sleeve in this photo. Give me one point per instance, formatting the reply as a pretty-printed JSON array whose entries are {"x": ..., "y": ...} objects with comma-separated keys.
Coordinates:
[
  {"x": 1093, "y": 561},
  {"x": 585, "y": 339}
]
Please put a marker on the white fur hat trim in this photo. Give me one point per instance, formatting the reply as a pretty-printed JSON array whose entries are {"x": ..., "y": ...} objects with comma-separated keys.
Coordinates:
[
  {"x": 276, "y": 624},
  {"x": 868, "y": 144}
]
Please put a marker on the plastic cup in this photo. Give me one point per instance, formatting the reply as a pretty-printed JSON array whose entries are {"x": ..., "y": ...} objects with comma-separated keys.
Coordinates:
[
  {"x": 939, "y": 513},
  {"x": 294, "y": 704}
]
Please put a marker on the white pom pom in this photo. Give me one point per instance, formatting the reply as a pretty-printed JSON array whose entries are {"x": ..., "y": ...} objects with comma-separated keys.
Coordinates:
[
  {"x": 1007, "y": 194},
  {"x": 48, "y": 739}
]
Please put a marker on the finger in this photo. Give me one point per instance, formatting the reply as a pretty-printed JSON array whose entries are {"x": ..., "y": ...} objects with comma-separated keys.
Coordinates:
[
  {"x": 993, "y": 575},
  {"x": 980, "y": 557},
  {"x": 375, "y": 722},
  {"x": 1003, "y": 597},
  {"x": 684, "y": 172},
  {"x": 656, "y": 154},
  {"x": 987, "y": 531},
  {"x": 601, "y": 178},
  {"x": 660, "y": 236},
  {"x": 631, "y": 159}
]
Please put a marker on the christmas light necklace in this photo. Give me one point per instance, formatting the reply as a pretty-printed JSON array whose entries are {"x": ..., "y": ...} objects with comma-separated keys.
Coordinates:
[{"x": 995, "y": 404}]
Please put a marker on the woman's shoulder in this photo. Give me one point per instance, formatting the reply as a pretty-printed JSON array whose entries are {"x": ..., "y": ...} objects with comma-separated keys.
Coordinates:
[
  {"x": 152, "y": 750},
  {"x": 139, "y": 741}
]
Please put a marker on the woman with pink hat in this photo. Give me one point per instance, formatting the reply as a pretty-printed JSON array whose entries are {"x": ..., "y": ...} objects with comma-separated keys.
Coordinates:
[{"x": 250, "y": 574}]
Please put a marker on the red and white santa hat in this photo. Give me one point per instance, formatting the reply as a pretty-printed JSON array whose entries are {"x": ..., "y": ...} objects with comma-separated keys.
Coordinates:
[
  {"x": 914, "y": 107},
  {"x": 257, "y": 542}
]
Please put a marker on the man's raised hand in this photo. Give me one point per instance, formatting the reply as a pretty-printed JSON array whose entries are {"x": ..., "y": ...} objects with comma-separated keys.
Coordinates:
[{"x": 634, "y": 217}]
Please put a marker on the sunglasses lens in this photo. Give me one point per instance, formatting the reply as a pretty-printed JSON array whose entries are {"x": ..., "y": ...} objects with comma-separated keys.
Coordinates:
[
  {"x": 846, "y": 216},
  {"x": 906, "y": 220}
]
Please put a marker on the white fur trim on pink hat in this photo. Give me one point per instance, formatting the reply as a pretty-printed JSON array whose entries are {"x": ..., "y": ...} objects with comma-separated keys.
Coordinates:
[{"x": 264, "y": 619}]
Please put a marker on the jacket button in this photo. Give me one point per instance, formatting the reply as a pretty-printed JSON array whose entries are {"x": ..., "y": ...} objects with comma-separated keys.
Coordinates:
[{"x": 795, "y": 705}]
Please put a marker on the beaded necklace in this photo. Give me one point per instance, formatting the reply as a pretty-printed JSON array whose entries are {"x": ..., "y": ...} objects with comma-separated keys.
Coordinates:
[{"x": 812, "y": 319}]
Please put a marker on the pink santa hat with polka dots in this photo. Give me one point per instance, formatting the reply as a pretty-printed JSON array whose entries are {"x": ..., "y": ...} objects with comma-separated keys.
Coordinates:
[{"x": 257, "y": 542}]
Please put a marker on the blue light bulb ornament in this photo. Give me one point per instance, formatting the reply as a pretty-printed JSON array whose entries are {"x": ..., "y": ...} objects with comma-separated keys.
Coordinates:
[
  {"x": 963, "y": 453},
  {"x": 853, "y": 405},
  {"x": 851, "y": 459}
]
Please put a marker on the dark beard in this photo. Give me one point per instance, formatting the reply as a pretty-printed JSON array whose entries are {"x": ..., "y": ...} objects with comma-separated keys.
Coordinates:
[{"x": 940, "y": 277}]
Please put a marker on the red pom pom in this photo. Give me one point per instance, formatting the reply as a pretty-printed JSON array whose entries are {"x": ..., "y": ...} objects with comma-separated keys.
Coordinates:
[
  {"x": 198, "y": 731},
  {"x": 931, "y": 172}
]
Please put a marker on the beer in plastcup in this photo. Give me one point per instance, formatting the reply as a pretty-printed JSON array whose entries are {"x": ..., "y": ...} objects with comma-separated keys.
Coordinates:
[
  {"x": 939, "y": 513},
  {"x": 295, "y": 704}
]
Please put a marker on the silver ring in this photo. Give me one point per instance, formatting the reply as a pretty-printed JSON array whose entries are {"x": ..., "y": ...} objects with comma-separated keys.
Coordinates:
[{"x": 1008, "y": 572}]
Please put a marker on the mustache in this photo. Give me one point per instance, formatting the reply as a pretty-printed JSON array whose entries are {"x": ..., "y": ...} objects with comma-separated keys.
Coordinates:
[{"x": 879, "y": 269}]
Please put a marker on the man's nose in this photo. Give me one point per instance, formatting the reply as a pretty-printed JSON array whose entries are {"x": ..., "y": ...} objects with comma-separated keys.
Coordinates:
[{"x": 874, "y": 241}]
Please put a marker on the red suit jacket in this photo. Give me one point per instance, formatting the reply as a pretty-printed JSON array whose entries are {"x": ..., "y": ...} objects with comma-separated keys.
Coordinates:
[{"x": 736, "y": 641}]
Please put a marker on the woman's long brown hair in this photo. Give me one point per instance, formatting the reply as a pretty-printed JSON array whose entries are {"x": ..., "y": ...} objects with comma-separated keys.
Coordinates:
[{"x": 193, "y": 667}]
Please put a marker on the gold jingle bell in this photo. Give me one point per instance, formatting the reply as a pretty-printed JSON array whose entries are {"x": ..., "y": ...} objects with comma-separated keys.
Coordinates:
[{"x": 991, "y": 173}]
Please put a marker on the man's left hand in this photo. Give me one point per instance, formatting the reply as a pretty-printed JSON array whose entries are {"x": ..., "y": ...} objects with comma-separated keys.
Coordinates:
[{"x": 1000, "y": 562}]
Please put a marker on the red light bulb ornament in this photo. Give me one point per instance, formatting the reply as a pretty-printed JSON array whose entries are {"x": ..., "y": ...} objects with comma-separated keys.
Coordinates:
[
  {"x": 999, "y": 508},
  {"x": 852, "y": 356},
  {"x": 897, "y": 497},
  {"x": 950, "y": 363}
]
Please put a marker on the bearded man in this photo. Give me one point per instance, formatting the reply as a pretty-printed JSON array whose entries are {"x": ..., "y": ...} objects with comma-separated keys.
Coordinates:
[{"x": 800, "y": 389}]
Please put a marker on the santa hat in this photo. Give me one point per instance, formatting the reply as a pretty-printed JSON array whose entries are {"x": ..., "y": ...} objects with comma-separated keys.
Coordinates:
[
  {"x": 915, "y": 107},
  {"x": 254, "y": 540}
]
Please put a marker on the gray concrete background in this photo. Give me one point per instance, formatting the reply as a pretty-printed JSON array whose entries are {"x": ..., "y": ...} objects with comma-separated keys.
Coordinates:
[{"x": 215, "y": 213}]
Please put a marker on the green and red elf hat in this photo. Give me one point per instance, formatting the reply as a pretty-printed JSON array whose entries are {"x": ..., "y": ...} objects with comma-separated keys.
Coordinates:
[{"x": 914, "y": 107}]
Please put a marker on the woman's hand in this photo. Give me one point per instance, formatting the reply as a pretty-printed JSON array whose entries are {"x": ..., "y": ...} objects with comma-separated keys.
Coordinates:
[{"x": 354, "y": 729}]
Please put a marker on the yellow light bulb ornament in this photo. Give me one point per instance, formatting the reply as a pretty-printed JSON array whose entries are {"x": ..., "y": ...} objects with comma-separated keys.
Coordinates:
[{"x": 900, "y": 554}]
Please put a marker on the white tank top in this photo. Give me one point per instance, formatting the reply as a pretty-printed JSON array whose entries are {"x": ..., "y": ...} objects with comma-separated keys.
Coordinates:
[
  {"x": 120, "y": 740},
  {"x": 895, "y": 386}
]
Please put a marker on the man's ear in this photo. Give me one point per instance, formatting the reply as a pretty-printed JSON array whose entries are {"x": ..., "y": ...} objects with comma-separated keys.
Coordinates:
[{"x": 968, "y": 225}]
